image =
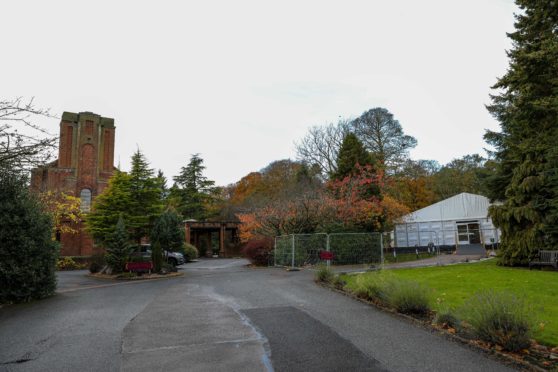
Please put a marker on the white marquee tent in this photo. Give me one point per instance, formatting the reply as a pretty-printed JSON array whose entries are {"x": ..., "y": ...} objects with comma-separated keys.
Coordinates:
[{"x": 459, "y": 220}]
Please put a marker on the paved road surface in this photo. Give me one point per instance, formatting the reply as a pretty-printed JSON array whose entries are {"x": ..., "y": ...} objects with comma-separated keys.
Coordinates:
[{"x": 221, "y": 316}]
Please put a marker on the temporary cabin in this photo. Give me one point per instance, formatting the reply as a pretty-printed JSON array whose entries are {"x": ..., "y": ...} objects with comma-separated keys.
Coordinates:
[{"x": 460, "y": 220}]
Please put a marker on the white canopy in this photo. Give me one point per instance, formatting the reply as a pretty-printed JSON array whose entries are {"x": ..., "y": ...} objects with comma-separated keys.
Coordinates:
[{"x": 463, "y": 206}]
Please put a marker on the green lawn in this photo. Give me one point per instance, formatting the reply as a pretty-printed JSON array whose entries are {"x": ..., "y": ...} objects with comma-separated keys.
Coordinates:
[{"x": 454, "y": 284}]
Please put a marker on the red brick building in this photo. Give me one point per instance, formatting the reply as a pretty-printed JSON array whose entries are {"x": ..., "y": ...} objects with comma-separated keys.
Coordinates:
[{"x": 85, "y": 164}]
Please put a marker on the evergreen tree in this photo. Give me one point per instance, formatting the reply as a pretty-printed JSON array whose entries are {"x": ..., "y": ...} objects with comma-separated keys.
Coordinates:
[
  {"x": 169, "y": 231},
  {"x": 195, "y": 191},
  {"x": 27, "y": 252},
  {"x": 119, "y": 248},
  {"x": 145, "y": 197},
  {"x": 113, "y": 203},
  {"x": 162, "y": 180},
  {"x": 527, "y": 108},
  {"x": 157, "y": 256},
  {"x": 351, "y": 154}
]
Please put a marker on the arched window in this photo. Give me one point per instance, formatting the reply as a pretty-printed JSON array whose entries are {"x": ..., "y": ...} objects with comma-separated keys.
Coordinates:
[{"x": 85, "y": 197}]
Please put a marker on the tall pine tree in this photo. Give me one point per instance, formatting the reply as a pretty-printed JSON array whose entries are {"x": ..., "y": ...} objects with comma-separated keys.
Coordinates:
[
  {"x": 145, "y": 195},
  {"x": 526, "y": 106},
  {"x": 194, "y": 191}
]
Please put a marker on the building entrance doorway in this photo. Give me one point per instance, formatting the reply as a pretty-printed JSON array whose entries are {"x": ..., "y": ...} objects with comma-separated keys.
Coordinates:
[{"x": 468, "y": 232}]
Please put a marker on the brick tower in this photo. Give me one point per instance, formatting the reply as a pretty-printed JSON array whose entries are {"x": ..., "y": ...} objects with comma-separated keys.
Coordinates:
[{"x": 85, "y": 164}]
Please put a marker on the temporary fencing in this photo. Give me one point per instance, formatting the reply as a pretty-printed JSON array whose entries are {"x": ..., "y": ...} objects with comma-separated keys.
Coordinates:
[{"x": 299, "y": 250}]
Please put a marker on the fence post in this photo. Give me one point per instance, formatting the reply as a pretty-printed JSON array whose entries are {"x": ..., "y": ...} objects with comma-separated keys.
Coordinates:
[
  {"x": 328, "y": 249},
  {"x": 293, "y": 251},
  {"x": 382, "y": 250}
]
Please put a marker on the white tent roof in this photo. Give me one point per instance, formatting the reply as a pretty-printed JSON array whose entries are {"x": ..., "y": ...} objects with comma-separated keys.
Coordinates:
[{"x": 459, "y": 207}]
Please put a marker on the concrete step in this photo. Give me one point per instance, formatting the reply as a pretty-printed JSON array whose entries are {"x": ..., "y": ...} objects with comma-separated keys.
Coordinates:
[{"x": 470, "y": 249}]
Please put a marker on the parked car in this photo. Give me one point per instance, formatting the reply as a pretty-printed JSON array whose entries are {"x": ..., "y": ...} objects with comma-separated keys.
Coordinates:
[{"x": 173, "y": 258}]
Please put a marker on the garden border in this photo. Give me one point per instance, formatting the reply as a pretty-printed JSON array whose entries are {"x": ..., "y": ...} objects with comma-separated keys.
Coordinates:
[{"x": 506, "y": 358}]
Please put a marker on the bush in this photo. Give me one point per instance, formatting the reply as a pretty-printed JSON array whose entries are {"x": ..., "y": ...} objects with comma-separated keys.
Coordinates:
[
  {"x": 406, "y": 296},
  {"x": 258, "y": 251},
  {"x": 370, "y": 286},
  {"x": 324, "y": 274},
  {"x": 190, "y": 252},
  {"x": 119, "y": 248},
  {"x": 67, "y": 263},
  {"x": 403, "y": 295},
  {"x": 500, "y": 318},
  {"x": 446, "y": 318},
  {"x": 28, "y": 254},
  {"x": 97, "y": 263},
  {"x": 338, "y": 282}
]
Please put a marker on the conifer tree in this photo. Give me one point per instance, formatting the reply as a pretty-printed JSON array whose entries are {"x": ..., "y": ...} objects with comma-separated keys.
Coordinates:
[
  {"x": 113, "y": 203},
  {"x": 145, "y": 197},
  {"x": 118, "y": 249},
  {"x": 194, "y": 190},
  {"x": 351, "y": 154},
  {"x": 168, "y": 231},
  {"x": 526, "y": 106}
]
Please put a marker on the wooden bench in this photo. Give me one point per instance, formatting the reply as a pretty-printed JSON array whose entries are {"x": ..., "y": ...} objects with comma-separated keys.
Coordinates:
[
  {"x": 139, "y": 266},
  {"x": 545, "y": 258}
]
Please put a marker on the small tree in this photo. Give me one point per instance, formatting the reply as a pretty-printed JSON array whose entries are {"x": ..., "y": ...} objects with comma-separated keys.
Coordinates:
[
  {"x": 118, "y": 248},
  {"x": 168, "y": 231},
  {"x": 27, "y": 252}
]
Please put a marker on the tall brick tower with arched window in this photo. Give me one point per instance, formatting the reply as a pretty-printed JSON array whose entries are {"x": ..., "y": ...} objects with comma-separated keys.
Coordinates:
[{"x": 84, "y": 165}]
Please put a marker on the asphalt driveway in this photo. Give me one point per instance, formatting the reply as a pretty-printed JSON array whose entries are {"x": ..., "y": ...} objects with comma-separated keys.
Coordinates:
[{"x": 221, "y": 316}]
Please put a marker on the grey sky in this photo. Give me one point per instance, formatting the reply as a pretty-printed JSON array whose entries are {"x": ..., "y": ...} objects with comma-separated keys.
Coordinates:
[{"x": 240, "y": 81}]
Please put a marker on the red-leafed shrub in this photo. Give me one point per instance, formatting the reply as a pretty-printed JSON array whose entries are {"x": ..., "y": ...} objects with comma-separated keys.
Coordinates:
[{"x": 258, "y": 251}]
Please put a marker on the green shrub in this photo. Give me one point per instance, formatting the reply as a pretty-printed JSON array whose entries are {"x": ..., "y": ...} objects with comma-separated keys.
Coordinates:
[
  {"x": 338, "y": 282},
  {"x": 27, "y": 252},
  {"x": 500, "y": 318},
  {"x": 407, "y": 296},
  {"x": 324, "y": 274},
  {"x": 190, "y": 252},
  {"x": 127, "y": 275},
  {"x": 96, "y": 264},
  {"x": 119, "y": 248},
  {"x": 446, "y": 318},
  {"x": 67, "y": 263},
  {"x": 371, "y": 286}
]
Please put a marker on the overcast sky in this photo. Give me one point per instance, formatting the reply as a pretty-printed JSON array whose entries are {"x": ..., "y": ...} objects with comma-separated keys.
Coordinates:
[{"x": 240, "y": 81}]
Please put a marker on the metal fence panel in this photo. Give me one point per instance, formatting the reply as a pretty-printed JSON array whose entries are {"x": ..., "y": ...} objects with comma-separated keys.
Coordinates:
[
  {"x": 357, "y": 248},
  {"x": 283, "y": 252},
  {"x": 299, "y": 250}
]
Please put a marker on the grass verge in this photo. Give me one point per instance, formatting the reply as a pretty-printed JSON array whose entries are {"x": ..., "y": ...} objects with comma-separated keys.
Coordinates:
[{"x": 452, "y": 286}]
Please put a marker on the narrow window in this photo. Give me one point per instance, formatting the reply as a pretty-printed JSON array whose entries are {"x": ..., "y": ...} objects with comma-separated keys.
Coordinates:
[{"x": 85, "y": 197}]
